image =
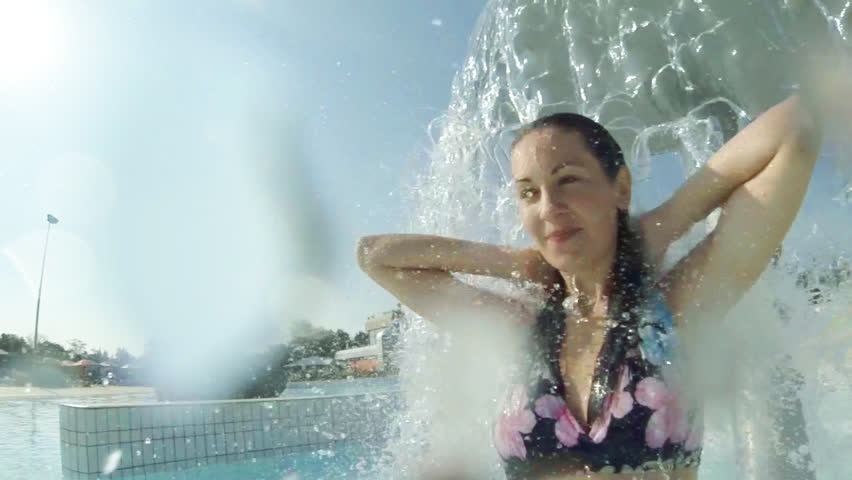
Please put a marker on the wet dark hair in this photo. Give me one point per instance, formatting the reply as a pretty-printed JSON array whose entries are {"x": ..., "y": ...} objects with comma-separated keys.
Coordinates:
[{"x": 627, "y": 281}]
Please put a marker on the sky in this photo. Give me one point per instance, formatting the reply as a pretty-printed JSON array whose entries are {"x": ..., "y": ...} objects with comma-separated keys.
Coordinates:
[{"x": 212, "y": 165}]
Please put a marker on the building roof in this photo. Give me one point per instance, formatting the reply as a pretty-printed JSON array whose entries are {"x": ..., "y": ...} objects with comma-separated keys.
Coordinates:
[
  {"x": 310, "y": 362},
  {"x": 379, "y": 320},
  {"x": 359, "y": 352}
]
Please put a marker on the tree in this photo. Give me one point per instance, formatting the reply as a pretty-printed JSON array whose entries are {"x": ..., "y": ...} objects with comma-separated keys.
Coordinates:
[
  {"x": 99, "y": 356},
  {"x": 77, "y": 348},
  {"x": 13, "y": 343},
  {"x": 304, "y": 329},
  {"x": 123, "y": 357},
  {"x": 362, "y": 339},
  {"x": 49, "y": 349},
  {"x": 311, "y": 341},
  {"x": 342, "y": 341}
]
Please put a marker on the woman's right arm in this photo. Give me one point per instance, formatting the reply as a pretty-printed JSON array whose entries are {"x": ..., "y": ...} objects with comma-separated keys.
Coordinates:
[{"x": 418, "y": 270}]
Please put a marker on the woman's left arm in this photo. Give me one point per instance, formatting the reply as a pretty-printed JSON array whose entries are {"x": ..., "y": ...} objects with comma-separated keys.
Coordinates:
[
  {"x": 759, "y": 178},
  {"x": 737, "y": 162}
]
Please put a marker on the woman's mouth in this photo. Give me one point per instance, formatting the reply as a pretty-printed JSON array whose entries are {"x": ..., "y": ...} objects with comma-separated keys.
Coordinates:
[{"x": 562, "y": 235}]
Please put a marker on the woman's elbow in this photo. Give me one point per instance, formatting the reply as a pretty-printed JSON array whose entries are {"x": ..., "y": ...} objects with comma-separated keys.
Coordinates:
[
  {"x": 806, "y": 135},
  {"x": 365, "y": 252}
]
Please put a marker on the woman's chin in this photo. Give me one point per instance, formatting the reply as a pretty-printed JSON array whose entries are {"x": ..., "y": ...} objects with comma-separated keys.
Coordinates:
[
  {"x": 564, "y": 262},
  {"x": 569, "y": 260}
]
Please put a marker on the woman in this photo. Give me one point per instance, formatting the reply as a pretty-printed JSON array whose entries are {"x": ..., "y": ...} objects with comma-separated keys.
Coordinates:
[{"x": 593, "y": 400}]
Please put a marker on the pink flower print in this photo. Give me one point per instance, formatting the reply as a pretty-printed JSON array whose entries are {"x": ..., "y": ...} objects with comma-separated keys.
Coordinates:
[
  {"x": 668, "y": 422},
  {"x": 567, "y": 428},
  {"x": 617, "y": 404},
  {"x": 516, "y": 419}
]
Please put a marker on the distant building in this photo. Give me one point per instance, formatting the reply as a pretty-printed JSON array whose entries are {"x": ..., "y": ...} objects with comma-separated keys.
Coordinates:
[
  {"x": 311, "y": 368},
  {"x": 370, "y": 358}
]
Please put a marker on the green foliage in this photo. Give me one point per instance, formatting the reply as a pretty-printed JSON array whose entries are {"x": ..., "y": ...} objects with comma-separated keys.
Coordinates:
[
  {"x": 263, "y": 375},
  {"x": 361, "y": 339},
  {"x": 13, "y": 343},
  {"x": 310, "y": 341},
  {"x": 123, "y": 357},
  {"x": 267, "y": 378},
  {"x": 77, "y": 349},
  {"x": 49, "y": 349},
  {"x": 99, "y": 356},
  {"x": 47, "y": 375}
]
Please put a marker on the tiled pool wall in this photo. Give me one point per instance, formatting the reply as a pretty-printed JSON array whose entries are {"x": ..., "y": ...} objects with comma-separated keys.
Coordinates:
[{"x": 162, "y": 437}]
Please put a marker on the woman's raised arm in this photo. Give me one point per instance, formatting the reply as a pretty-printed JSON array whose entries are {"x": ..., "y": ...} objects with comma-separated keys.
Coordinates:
[
  {"x": 418, "y": 270},
  {"x": 767, "y": 166},
  {"x": 737, "y": 162}
]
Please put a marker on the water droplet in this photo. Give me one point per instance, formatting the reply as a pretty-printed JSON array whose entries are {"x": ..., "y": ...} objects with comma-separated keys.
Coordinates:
[
  {"x": 112, "y": 462},
  {"x": 147, "y": 441}
]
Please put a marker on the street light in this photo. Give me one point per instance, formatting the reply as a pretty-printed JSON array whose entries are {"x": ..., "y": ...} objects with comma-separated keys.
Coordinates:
[{"x": 50, "y": 221}]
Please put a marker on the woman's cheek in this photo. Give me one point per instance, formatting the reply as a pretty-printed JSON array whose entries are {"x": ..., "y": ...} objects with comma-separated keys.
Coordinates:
[{"x": 528, "y": 220}]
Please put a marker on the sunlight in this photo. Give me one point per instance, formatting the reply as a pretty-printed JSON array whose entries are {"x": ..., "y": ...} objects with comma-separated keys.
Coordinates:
[{"x": 30, "y": 41}]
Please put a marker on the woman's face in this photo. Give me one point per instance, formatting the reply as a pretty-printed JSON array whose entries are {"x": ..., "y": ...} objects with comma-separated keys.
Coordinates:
[{"x": 567, "y": 203}]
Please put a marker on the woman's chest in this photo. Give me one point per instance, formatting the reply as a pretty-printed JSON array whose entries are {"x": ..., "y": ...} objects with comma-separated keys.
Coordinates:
[{"x": 578, "y": 359}]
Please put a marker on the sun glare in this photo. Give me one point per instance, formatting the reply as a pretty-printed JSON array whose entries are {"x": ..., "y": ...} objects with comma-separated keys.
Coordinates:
[{"x": 30, "y": 42}]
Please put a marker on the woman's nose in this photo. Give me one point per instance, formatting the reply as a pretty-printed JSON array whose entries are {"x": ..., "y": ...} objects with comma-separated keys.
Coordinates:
[{"x": 551, "y": 207}]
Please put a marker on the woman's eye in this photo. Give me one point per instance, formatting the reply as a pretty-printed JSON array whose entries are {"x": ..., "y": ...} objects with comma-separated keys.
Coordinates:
[
  {"x": 568, "y": 179},
  {"x": 527, "y": 193}
]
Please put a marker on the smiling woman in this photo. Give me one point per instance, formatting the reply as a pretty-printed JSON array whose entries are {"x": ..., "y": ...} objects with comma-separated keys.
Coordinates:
[{"x": 31, "y": 42}]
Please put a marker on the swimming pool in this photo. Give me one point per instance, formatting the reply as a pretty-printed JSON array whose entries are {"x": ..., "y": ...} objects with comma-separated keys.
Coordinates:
[
  {"x": 29, "y": 438},
  {"x": 351, "y": 461},
  {"x": 30, "y": 446}
]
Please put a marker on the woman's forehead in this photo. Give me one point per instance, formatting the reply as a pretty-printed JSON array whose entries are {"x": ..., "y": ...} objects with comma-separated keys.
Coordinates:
[{"x": 548, "y": 149}]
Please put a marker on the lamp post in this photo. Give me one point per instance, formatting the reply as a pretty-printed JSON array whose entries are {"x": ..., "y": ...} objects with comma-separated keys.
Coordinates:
[{"x": 50, "y": 221}]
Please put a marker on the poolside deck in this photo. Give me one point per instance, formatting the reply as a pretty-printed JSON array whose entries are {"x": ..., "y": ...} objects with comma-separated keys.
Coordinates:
[{"x": 33, "y": 393}]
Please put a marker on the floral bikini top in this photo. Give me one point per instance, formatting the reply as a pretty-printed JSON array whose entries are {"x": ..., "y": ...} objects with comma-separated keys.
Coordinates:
[{"x": 641, "y": 424}]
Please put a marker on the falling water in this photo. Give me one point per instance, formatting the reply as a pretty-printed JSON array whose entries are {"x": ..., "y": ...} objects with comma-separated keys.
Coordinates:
[{"x": 672, "y": 80}]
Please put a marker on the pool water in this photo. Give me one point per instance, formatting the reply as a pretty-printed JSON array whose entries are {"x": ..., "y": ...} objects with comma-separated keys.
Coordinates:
[
  {"x": 29, "y": 449},
  {"x": 29, "y": 437},
  {"x": 352, "y": 461}
]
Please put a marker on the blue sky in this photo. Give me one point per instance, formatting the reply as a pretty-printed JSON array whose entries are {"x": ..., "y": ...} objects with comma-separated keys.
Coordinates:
[{"x": 212, "y": 164}]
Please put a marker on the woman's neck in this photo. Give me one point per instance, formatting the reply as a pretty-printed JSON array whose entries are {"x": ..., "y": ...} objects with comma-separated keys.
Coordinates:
[{"x": 590, "y": 288}]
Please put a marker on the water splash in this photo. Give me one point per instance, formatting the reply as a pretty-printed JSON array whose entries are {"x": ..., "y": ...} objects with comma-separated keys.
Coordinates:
[
  {"x": 670, "y": 76},
  {"x": 112, "y": 461}
]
